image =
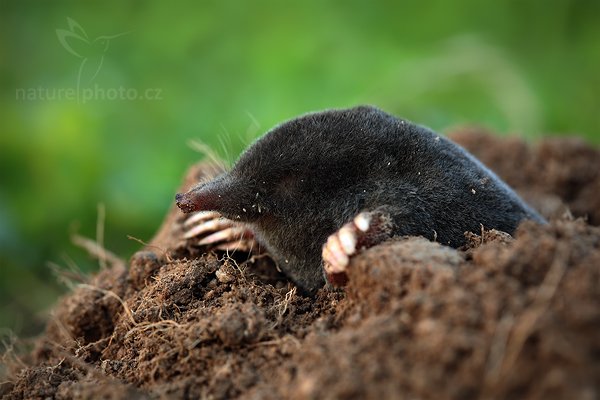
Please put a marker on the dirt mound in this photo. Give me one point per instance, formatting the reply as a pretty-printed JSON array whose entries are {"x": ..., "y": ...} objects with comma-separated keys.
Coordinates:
[
  {"x": 502, "y": 318},
  {"x": 553, "y": 175}
]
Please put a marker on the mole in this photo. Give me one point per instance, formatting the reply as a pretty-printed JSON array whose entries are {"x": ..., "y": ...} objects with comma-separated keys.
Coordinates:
[{"x": 317, "y": 189}]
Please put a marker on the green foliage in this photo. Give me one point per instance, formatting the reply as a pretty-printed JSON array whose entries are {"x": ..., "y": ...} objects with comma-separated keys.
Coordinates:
[{"x": 225, "y": 72}]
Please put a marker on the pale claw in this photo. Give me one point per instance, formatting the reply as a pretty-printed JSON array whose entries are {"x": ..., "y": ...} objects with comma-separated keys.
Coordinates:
[
  {"x": 246, "y": 245},
  {"x": 208, "y": 228},
  {"x": 365, "y": 230},
  {"x": 201, "y": 216},
  {"x": 335, "y": 255},
  {"x": 226, "y": 234}
]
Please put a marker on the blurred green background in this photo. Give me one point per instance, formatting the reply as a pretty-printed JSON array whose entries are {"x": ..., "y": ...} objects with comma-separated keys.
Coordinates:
[{"x": 225, "y": 72}]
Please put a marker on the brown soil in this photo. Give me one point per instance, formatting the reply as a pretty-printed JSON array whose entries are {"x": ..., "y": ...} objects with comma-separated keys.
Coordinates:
[{"x": 502, "y": 318}]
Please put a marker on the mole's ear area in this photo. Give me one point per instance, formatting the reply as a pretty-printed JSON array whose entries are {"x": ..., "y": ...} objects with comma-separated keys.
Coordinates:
[{"x": 210, "y": 196}]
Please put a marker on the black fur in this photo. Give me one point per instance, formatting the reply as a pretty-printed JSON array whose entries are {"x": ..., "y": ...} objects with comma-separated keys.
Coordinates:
[{"x": 304, "y": 179}]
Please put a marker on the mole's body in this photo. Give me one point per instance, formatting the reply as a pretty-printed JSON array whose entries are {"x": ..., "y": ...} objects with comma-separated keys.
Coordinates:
[{"x": 305, "y": 179}]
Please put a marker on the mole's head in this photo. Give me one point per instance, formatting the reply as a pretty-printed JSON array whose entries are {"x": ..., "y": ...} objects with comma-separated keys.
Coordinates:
[
  {"x": 299, "y": 169},
  {"x": 233, "y": 195}
]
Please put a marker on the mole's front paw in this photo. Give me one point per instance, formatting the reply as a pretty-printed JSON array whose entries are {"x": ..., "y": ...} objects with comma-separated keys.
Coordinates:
[
  {"x": 209, "y": 228},
  {"x": 366, "y": 230}
]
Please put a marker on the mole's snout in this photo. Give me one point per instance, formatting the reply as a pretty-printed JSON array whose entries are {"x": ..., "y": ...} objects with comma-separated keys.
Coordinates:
[
  {"x": 184, "y": 202},
  {"x": 205, "y": 197}
]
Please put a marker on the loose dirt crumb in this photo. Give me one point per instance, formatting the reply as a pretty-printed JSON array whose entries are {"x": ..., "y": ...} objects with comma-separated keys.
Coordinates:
[{"x": 501, "y": 318}]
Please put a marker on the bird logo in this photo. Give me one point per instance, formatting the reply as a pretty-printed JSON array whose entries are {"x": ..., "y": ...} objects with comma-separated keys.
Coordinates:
[{"x": 91, "y": 52}]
